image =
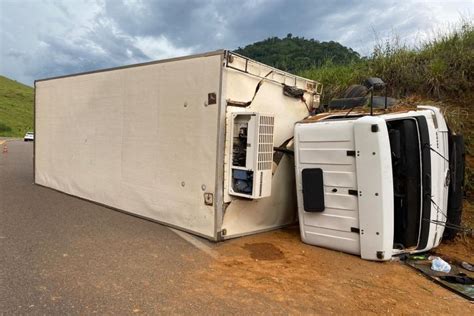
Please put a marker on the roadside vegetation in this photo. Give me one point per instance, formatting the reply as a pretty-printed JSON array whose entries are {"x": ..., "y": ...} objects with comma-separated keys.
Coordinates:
[
  {"x": 439, "y": 71},
  {"x": 16, "y": 108}
]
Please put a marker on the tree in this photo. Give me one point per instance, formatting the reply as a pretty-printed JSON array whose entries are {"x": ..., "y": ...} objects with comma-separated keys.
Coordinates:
[{"x": 295, "y": 54}]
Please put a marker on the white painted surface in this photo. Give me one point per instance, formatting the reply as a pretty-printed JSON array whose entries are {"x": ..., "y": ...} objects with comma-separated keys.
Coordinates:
[
  {"x": 375, "y": 186},
  {"x": 321, "y": 144},
  {"x": 324, "y": 145},
  {"x": 144, "y": 140},
  {"x": 125, "y": 138}
]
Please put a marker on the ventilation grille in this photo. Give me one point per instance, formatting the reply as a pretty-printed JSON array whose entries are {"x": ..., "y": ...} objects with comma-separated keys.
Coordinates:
[{"x": 265, "y": 143}]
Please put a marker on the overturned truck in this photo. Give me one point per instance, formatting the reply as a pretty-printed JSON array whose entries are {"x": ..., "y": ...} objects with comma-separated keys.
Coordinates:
[{"x": 204, "y": 144}]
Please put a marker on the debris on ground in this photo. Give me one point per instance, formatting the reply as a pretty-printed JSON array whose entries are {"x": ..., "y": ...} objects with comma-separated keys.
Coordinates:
[
  {"x": 439, "y": 265},
  {"x": 453, "y": 275}
]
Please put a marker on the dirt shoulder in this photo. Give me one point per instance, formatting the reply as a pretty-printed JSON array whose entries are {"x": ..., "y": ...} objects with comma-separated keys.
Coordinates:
[{"x": 276, "y": 273}]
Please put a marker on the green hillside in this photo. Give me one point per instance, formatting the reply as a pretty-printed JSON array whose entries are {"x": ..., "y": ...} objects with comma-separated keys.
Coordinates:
[
  {"x": 295, "y": 54},
  {"x": 16, "y": 108}
]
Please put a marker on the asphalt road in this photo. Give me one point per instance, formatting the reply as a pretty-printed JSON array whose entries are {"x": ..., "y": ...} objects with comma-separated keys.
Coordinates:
[{"x": 63, "y": 255}]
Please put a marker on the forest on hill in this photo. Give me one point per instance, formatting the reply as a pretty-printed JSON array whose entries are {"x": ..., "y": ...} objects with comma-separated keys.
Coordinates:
[{"x": 295, "y": 54}]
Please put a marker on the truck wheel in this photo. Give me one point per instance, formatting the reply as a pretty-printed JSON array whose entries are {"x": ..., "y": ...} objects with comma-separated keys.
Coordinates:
[{"x": 355, "y": 91}]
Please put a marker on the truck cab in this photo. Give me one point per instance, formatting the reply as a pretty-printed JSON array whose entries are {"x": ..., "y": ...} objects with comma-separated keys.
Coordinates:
[{"x": 373, "y": 185}]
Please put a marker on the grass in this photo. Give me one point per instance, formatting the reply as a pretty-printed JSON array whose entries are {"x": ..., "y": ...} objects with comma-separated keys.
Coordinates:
[
  {"x": 439, "y": 69},
  {"x": 16, "y": 108},
  {"x": 336, "y": 78}
]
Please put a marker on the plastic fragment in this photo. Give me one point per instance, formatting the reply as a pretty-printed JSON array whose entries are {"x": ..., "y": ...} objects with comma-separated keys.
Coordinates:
[{"x": 440, "y": 265}]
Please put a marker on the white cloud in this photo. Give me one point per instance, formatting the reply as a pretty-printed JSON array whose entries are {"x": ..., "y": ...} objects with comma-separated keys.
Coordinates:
[
  {"x": 159, "y": 47},
  {"x": 57, "y": 37}
]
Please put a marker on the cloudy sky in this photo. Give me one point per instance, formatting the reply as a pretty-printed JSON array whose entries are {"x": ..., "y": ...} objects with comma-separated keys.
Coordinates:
[{"x": 43, "y": 38}]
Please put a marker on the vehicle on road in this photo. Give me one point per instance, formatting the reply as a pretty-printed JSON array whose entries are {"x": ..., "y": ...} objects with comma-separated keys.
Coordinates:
[{"x": 29, "y": 137}]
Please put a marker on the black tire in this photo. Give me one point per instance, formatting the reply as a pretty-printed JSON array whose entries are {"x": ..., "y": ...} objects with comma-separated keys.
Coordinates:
[
  {"x": 457, "y": 156},
  {"x": 342, "y": 104},
  {"x": 379, "y": 102},
  {"x": 355, "y": 91}
]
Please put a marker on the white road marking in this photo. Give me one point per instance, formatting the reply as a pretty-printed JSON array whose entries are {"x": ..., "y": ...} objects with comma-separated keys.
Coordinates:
[{"x": 196, "y": 243}]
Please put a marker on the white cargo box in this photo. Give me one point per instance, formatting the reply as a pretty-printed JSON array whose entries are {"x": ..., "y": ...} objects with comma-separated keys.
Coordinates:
[{"x": 154, "y": 140}]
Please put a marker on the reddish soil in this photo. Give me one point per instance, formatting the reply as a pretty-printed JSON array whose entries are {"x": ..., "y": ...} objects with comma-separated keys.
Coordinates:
[
  {"x": 462, "y": 248},
  {"x": 276, "y": 273}
]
